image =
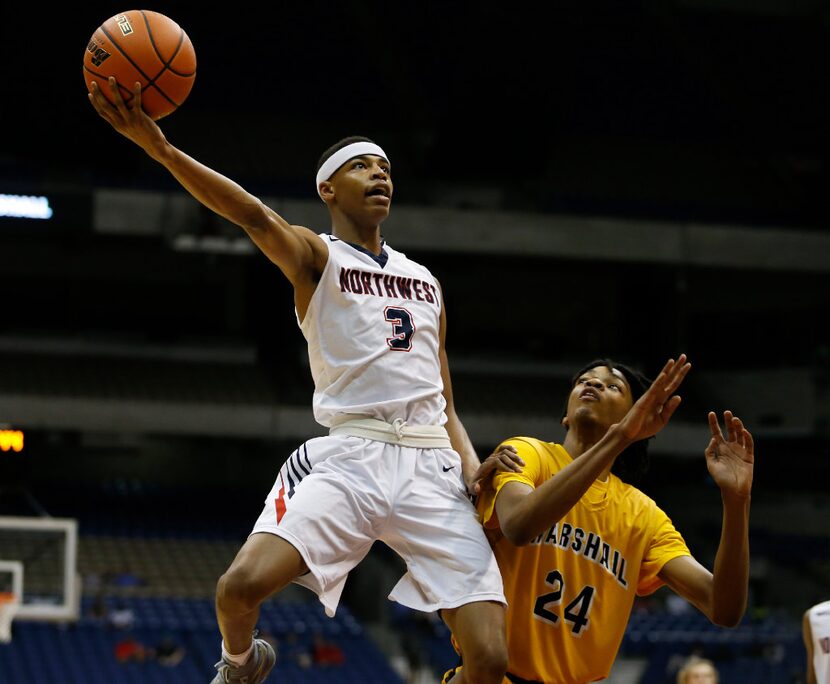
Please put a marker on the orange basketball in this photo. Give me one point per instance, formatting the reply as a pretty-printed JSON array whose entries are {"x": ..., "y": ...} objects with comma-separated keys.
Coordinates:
[{"x": 147, "y": 47}]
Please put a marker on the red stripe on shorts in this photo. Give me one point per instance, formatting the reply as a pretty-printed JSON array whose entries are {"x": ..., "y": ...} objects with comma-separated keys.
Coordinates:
[{"x": 279, "y": 502}]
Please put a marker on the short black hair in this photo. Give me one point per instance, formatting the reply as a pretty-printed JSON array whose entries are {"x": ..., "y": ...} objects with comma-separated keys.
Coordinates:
[
  {"x": 339, "y": 145},
  {"x": 632, "y": 464}
]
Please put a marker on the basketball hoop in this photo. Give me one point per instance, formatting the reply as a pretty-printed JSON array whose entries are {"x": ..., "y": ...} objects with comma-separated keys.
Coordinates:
[{"x": 9, "y": 603}]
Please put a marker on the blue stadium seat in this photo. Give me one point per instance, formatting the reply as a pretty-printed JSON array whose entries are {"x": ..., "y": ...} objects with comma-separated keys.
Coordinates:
[{"x": 84, "y": 653}]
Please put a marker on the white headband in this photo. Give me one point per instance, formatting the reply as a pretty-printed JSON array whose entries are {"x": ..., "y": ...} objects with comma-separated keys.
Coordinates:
[{"x": 343, "y": 155}]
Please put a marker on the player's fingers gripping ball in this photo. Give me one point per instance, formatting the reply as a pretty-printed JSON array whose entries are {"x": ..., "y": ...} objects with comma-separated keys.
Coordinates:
[{"x": 145, "y": 47}]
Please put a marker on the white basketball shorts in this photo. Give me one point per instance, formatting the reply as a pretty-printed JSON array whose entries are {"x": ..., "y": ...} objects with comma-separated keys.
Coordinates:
[{"x": 338, "y": 494}]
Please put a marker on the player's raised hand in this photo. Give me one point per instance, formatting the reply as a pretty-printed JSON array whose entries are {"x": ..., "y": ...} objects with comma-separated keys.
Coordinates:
[
  {"x": 504, "y": 459},
  {"x": 652, "y": 411},
  {"x": 731, "y": 459},
  {"x": 129, "y": 120}
]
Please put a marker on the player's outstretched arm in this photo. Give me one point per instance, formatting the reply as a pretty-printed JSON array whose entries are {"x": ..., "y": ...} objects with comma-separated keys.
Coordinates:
[
  {"x": 296, "y": 250},
  {"x": 722, "y": 595},
  {"x": 525, "y": 512}
]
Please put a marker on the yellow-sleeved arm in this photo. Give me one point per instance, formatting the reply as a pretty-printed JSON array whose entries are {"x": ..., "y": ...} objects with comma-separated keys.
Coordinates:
[
  {"x": 533, "y": 473},
  {"x": 666, "y": 544}
]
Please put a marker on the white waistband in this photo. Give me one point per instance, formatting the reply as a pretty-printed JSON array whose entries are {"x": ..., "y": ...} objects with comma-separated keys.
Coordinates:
[{"x": 396, "y": 432}]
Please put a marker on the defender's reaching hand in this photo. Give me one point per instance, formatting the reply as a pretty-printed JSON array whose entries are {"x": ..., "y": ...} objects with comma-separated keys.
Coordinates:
[
  {"x": 652, "y": 411},
  {"x": 731, "y": 460}
]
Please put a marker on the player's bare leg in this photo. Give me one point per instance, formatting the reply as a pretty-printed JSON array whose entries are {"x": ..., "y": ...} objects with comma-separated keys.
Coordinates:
[
  {"x": 264, "y": 565},
  {"x": 479, "y": 629}
]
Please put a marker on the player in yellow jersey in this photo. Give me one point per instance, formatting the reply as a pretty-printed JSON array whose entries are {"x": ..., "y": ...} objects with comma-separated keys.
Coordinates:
[{"x": 575, "y": 543}]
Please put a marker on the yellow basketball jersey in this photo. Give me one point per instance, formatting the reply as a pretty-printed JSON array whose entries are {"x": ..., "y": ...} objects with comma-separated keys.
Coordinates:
[{"x": 570, "y": 591}]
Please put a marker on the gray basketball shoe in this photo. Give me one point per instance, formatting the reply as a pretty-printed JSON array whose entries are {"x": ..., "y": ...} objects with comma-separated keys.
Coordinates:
[{"x": 253, "y": 672}]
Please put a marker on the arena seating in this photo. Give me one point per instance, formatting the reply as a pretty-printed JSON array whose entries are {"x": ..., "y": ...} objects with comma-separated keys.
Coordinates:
[
  {"x": 84, "y": 653},
  {"x": 767, "y": 651}
]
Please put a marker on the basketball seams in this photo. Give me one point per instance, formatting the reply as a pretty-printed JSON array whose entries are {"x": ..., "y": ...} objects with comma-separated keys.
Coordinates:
[
  {"x": 165, "y": 63},
  {"x": 176, "y": 52},
  {"x": 142, "y": 59},
  {"x": 152, "y": 38},
  {"x": 124, "y": 53},
  {"x": 183, "y": 74},
  {"x": 151, "y": 82}
]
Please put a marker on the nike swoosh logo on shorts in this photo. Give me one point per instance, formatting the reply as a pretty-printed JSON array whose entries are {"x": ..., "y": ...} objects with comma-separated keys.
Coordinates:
[{"x": 446, "y": 468}]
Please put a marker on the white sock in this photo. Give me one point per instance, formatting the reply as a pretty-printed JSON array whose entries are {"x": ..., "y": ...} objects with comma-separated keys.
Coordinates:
[{"x": 238, "y": 660}]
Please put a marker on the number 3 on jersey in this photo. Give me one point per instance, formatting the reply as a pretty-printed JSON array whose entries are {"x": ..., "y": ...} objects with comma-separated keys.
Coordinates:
[
  {"x": 402, "y": 328},
  {"x": 576, "y": 612}
]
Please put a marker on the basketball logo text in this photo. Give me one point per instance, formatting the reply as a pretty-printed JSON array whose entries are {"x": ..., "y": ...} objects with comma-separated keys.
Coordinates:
[
  {"x": 124, "y": 24},
  {"x": 98, "y": 53}
]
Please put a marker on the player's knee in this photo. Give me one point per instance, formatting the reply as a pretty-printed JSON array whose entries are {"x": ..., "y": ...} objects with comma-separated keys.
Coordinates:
[
  {"x": 240, "y": 591},
  {"x": 487, "y": 662}
]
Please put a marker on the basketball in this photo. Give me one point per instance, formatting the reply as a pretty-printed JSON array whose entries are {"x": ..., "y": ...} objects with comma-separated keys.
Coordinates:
[{"x": 143, "y": 46}]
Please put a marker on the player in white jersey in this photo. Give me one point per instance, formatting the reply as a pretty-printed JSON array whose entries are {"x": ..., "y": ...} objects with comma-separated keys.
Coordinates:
[
  {"x": 397, "y": 464},
  {"x": 816, "y": 631}
]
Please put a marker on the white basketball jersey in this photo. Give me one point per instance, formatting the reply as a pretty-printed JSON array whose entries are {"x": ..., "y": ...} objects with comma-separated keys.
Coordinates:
[
  {"x": 372, "y": 328},
  {"x": 819, "y": 617}
]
